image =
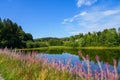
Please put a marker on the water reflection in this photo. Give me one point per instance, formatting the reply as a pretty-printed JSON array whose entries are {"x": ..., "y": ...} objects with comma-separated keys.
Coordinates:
[
  {"x": 105, "y": 55},
  {"x": 74, "y": 59}
]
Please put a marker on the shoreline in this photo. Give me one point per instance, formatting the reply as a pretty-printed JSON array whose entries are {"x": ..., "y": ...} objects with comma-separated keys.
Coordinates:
[{"x": 64, "y": 47}]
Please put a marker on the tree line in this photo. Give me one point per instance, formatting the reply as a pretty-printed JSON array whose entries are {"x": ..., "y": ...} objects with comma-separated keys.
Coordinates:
[
  {"x": 12, "y": 35},
  {"x": 105, "y": 38}
]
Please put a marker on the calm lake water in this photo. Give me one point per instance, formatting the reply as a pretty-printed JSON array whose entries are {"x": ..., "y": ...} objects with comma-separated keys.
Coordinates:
[
  {"x": 65, "y": 57},
  {"x": 72, "y": 55},
  {"x": 105, "y": 55}
]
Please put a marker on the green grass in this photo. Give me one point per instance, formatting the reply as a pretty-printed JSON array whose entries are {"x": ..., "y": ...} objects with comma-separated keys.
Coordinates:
[
  {"x": 12, "y": 68},
  {"x": 19, "y": 66},
  {"x": 98, "y": 48},
  {"x": 65, "y": 47}
]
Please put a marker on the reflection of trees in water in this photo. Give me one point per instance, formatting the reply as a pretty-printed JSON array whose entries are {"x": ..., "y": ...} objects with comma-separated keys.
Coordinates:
[
  {"x": 105, "y": 55},
  {"x": 60, "y": 51}
]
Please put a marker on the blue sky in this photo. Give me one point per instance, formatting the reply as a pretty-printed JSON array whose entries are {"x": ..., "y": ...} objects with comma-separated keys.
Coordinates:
[{"x": 61, "y": 18}]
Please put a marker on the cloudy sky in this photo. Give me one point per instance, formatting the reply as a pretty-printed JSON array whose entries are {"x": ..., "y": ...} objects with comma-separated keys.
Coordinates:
[{"x": 62, "y": 18}]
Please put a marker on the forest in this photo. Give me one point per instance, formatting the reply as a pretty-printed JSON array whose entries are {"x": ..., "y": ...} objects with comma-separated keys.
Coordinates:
[
  {"x": 105, "y": 38},
  {"x": 13, "y": 36}
]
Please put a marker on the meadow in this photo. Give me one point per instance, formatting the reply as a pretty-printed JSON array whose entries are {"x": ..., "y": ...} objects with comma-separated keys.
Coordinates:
[
  {"x": 66, "y": 47},
  {"x": 15, "y": 65}
]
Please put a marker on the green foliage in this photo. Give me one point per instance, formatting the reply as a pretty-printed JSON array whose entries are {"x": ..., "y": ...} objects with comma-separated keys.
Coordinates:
[
  {"x": 105, "y": 38},
  {"x": 12, "y": 35},
  {"x": 108, "y": 38},
  {"x": 46, "y": 39},
  {"x": 71, "y": 44},
  {"x": 54, "y": 42},
  {"x": 31, "y": 44}
]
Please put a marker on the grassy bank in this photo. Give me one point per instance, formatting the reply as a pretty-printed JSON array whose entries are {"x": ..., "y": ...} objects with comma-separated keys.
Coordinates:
[
  {"x": 64, "y": 47},
  {"x": 25, "y": 67},
  {"x": 19, "y": 66}
]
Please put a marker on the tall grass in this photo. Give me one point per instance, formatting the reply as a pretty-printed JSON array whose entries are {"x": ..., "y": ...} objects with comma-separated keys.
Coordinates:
[{"x": 19, "y": 66}]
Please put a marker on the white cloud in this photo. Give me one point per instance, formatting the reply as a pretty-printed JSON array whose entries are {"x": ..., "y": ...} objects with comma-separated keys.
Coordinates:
[
  {"x": 111, "y": 12},
  {"x": 68, "y": 20},
  {"x": 83, "y": 13},
  {"x": 93, "y": 21},
  {"x": 85, "y": 2},
  {"x": 74, "y": 17}
]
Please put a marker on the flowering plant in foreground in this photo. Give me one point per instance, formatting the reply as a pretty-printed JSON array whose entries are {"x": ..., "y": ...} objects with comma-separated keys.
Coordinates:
[
  {"x": 103, "y": 74},
  {"x": 76, "y": 71}
]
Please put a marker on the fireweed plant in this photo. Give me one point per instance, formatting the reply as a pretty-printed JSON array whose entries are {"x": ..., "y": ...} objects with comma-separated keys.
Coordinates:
[{"x": 17, "y": 65}]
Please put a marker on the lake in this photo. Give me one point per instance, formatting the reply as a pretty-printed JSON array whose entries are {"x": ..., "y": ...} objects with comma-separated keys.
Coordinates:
[
  {"x": 64, "y": 55},
  {"x": 105, "y": 55}
]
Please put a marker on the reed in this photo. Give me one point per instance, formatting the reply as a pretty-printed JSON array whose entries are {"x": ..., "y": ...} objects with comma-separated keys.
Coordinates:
[{"x": 16, "y": 65}]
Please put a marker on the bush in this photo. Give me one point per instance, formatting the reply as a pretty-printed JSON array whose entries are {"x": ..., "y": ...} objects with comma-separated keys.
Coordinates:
[
  {"x": 53, "y": 42},
  {"x": 71, "y": 44},
  {"x": 36, "y": 44}
]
